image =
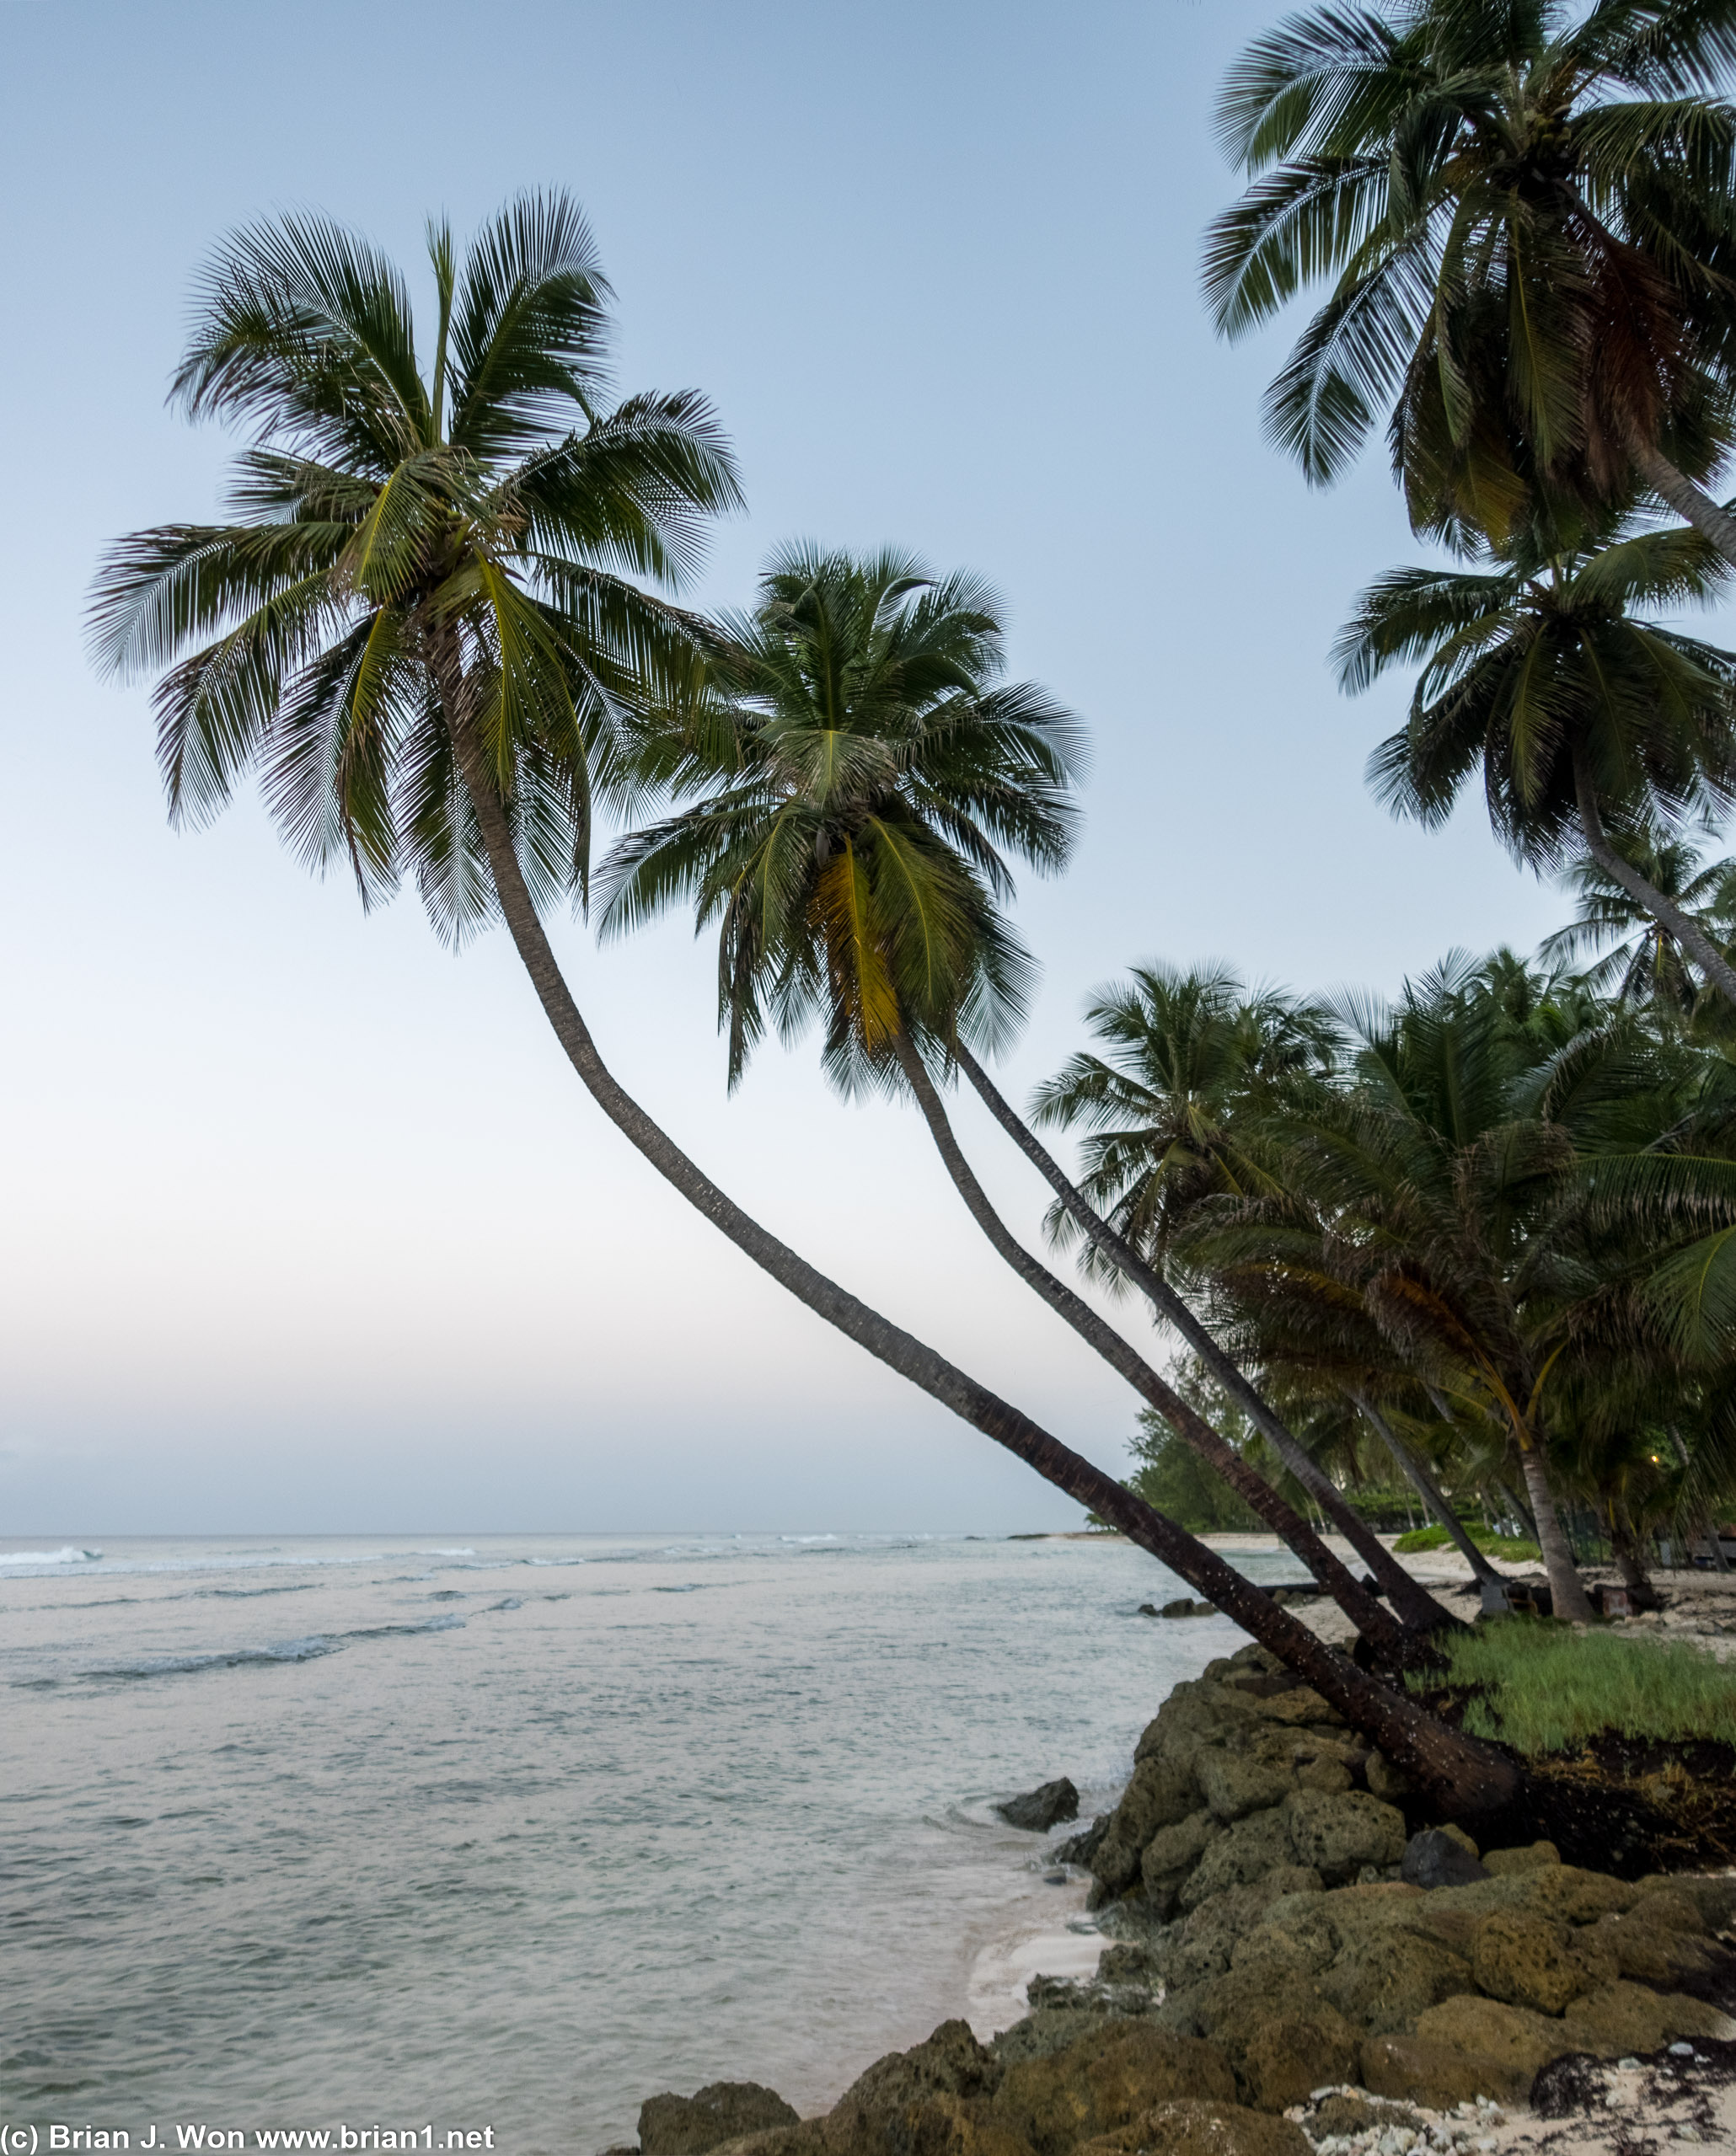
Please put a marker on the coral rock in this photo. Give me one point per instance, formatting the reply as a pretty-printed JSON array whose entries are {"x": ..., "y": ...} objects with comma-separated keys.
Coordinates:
[
  {"x": 1104, "y": 2082},
  {"x": 1622, "y": 2018},
  {"x": 1384, "y": 1982},
  {"x": 1438, "y": 2075},
  {"x": 1196, "y": 2129},
  {"x": 880, "y": 2113},
  {"x": 1290, "y": 2054},
  {"x": 1232, "y": 1783},
  {"x": 1253, "y": 1847},
  {"x": 727, "y": 2110},
  {"x": 1529, "y": 1961},
  {"x": 1520, "y": 2040},
  {"x": 1339, "y": 1835},
  {"x": 1538, "y": 1857},
  {"x": 1040, "y": 1809}
]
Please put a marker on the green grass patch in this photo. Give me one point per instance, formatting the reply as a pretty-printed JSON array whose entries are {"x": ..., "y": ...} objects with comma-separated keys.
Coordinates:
[
  {"x": 1543, "y": 1687},
  {"x": 1514, "y": 1548}
]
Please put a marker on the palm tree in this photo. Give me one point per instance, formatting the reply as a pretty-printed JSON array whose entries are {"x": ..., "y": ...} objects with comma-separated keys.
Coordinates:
[
  {"x": 1540, "y": 672},
  {"x": 1587, "y": 1233},
  {"x": 854, "y": 768},
  {"x": 1644, "y": 1237},
  {"x": 1408, "y": 1201},
  {"x": 1414, "y": 1467},
  {"x": 1181, "y": 1051},
  {"x": 422, "y": 635},
  {"x": 1525, "y": 215},
  {"x": 862, "y": 770},
  {"x": 1637, "y": 955}
]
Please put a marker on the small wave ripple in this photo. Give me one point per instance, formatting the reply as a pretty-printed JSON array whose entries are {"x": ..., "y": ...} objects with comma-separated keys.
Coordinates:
[{"x": 307, "y": 1650}]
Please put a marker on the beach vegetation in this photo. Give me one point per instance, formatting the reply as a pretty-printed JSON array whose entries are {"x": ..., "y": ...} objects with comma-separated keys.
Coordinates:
[
  {"x": 1543, "y": 1688},
  {"x": 1512, "y": 1549},
  {"x": 1485, "y": 1237},
  {"x": 1170, "y": 1475},
  {"x": 851, "y": 772}
]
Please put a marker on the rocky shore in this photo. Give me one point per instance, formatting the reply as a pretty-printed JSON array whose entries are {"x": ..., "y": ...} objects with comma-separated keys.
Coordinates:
[{"x": 1298, "y": 1969}]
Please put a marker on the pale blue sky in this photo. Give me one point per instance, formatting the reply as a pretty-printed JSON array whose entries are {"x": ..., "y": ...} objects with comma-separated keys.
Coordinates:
[{"x": 307, "y": 1224}]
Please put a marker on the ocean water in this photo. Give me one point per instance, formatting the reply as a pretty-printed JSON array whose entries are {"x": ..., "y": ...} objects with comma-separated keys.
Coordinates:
[{"x": 512, "y": 1832}]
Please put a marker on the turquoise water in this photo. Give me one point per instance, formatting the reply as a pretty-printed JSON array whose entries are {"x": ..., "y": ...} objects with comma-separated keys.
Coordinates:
[{"x": 512, "y": 1832}]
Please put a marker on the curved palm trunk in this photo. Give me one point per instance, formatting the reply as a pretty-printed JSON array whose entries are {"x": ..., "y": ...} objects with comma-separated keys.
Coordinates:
[
  {"x": 1414, "y": 1604},
  {"x": 1686, "y": 930},
  {"x": 1381, "y": 1630},
  {"x": 1565, "y": 1587},
  {"x": 1429, "y": 1489},
  {"x": 1467, "y": 1779},
  {"x": 1689, "y": 501}
]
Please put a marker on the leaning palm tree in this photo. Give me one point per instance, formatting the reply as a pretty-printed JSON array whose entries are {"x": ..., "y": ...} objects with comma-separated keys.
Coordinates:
[
  {"x": 1177, "y": 1052},
  {"x": 1635, "y": 955},
  {"x": 856, "y": 770},
  {"x": 423, "y": 630},
  {"x": 1541, "y": 672},
  {"x": 1523, "y": 215},
  {"x": 1186, "y": 1068}
]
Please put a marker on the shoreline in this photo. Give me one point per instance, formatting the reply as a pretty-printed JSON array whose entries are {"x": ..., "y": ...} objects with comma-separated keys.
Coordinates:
[
  {"x": 1058, "y": 1989},
  {"x": 1699, "y": 1606},
  {"x": 1055, "y": 1947}
]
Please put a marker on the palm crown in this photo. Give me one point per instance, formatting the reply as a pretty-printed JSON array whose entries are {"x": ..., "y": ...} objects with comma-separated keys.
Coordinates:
[
  {"x": 856, "y": 771},
  {"x": 1183, "y": 1052},
  {"x": 1541, "y": 670},
  {"x": 1524, "y": 212},
  {"x": 421, "y": 563},
  {"x": 1634, "y": 954}
]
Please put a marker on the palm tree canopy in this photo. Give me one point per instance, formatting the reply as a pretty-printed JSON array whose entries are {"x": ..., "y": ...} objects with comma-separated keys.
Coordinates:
[
  {"x": 1525, "y": 213},
  {"x": 1182, "y": 1051},
  {"x": 1472, "y": 1210},
  {"x": 854, "y": 773},
  {"x": 1634, "y": 953},
  {"x": 1545, "y": 657},
  {"x": 1388, "y": 1246},
  {"x": 485, "y": 514}
]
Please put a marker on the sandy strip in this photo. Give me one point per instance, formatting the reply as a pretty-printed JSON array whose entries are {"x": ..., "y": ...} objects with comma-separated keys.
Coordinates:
[
  {"x": 1064, "y": 1941},
  {"x": 1625, "y": 2109}
]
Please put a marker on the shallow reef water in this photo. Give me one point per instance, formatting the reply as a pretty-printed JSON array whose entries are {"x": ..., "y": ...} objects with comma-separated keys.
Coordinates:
[{"x": 514, "y": 1831}]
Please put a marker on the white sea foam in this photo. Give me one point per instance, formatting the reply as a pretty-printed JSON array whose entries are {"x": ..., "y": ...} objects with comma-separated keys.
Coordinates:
[{"x": 67, "y": 1556}]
